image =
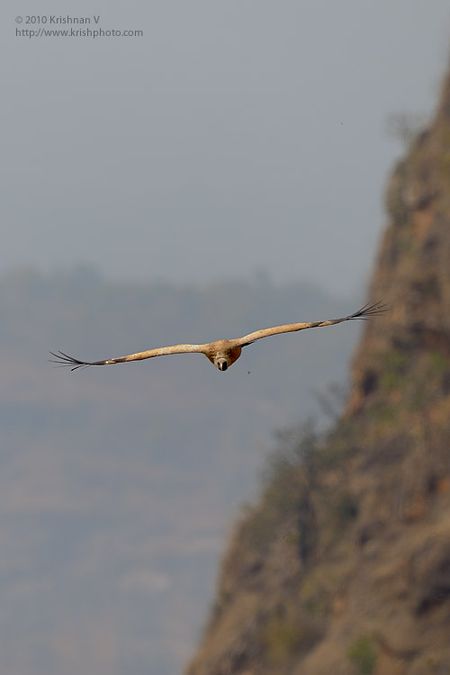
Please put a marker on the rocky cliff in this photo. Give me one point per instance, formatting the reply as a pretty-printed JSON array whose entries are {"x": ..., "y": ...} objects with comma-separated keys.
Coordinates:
[{"x": 343, "y": 565}]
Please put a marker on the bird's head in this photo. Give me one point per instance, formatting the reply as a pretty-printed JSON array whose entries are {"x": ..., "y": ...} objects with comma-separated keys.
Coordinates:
[{"x": 221, "y": 362}]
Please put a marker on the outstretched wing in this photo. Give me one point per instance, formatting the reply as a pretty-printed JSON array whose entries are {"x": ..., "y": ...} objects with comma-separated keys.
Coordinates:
[
  {"x": 63, "y": 359},
  {"x": 364, "y": 313}
]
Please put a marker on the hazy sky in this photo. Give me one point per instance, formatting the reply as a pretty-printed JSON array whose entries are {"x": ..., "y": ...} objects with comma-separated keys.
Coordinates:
[{"x": 231, "y": 136}]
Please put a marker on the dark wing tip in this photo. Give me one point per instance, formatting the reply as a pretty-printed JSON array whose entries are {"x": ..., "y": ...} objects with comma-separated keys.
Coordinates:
[
  {"x": 369, "y": 310},
  {"x": 62, "y": 359}
]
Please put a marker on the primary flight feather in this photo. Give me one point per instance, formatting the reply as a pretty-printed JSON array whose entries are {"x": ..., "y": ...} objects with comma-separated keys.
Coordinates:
[{"x": 221, "y": 353}]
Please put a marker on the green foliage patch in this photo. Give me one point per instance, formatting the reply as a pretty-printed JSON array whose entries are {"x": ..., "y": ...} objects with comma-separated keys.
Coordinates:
[
  {"x": 289, "y": 634},
  {"x": 439, "y": 362},
  {"x": 363, "y": 655},
  {"x": 394, "y": 367}
]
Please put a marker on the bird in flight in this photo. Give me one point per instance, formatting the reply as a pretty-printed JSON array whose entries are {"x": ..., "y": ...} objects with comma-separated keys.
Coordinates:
[{"x": 221, "y": 353}]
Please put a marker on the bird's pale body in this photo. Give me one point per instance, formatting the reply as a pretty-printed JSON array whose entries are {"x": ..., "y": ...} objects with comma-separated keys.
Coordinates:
[{"x": 223, "y": 354}]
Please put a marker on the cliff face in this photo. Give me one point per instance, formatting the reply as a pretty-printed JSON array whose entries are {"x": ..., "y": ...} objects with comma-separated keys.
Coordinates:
[{"x": 344, "y": 564}]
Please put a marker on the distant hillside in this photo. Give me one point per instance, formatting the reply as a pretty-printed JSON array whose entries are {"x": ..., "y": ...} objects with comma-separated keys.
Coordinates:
[
  {"x": 116, "y": 483},
  {"x": 343, "y": 565}
]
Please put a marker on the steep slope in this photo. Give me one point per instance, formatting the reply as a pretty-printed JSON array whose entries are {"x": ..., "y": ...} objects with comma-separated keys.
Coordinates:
[{"x": 344, "y": 564}]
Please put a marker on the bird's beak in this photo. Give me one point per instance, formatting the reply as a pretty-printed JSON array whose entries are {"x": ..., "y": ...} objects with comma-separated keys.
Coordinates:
[{"x": 222, "y": 364}]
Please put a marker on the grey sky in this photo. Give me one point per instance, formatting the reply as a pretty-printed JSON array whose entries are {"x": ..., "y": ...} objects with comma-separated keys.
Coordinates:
[{"x": 232, "y": 136}]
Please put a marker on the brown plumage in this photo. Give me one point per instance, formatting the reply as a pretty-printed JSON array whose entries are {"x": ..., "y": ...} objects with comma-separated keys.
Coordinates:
[{"x": 221, "y": 353}]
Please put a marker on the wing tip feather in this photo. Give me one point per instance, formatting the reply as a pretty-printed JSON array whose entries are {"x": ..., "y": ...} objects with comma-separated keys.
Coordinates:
[
  {"x": 369, "y": 310},
  {"x": 62, "y": 359}
]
